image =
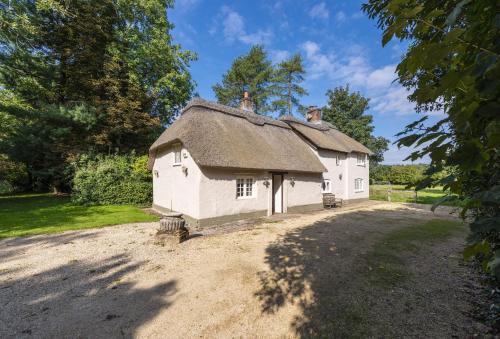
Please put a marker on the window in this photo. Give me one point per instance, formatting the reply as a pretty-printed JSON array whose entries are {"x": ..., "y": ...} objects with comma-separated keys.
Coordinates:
[
  {"x": 358, "y": 185},
  {"x": 177, "y": 155},
  {"x": 361, "y": 160},
  {"x": 326, "y": 186},
  {"x": 337, "y": 160},
  {"x": 244, "y": 188}
]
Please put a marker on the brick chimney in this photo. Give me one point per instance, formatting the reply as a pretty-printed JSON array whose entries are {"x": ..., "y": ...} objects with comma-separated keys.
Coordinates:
[
  {"x": 246, "y": 103},
  {"x": 313, "y": 114}
]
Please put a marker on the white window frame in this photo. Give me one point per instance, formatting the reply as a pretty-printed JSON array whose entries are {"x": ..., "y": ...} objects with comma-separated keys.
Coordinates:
[
  {"x": 177, "y": 151},
  {"x": 359, "y": 185},
  {"x": 361, "y": 159},
  {"x": 247, "y": 185},
  {"x": 327, "y": 183}
]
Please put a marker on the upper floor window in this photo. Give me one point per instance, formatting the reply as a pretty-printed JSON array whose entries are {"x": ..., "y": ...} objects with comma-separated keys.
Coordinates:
[
  {"x": 244, "y": 188},
  {"x": 326, "y": 186},
  {"x": 361, "y": 160},
  {"x": 177, "y": 155},
  {"x": 358, "y": 185},
  {"x": 338, "y": 160}
]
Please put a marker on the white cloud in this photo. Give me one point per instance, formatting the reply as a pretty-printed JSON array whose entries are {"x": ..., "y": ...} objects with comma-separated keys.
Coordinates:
[
  {"x": 233, "y": 28},
  {"x": 185, "y": 5},
  {"x": 340, "y": 17},
  {"x": 278, "y": 55},
  {"x": 387, "y": 97},
  {"x": 319, "y": 11}
]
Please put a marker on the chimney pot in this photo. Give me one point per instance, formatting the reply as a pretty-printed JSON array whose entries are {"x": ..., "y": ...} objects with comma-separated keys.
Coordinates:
[
  {"x": 246, "y": 102},
  {"x": 313, "y": 114}
]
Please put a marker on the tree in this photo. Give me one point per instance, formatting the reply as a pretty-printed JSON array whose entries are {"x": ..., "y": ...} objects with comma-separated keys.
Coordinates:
[
  {"x": 452, "y": 65},
  {"x": 251, "y": 72},
  {"x": 86, "y": 75},
  {"x": 286, "y": 85},
  {"x": 346, "y": 111}
]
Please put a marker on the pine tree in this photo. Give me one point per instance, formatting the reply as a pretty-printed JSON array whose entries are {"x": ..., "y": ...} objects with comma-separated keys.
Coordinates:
[
  {"x": 286, "y": 85},
  {"x": 252, "y": 73},
  {"x": 346, "y": 110}
]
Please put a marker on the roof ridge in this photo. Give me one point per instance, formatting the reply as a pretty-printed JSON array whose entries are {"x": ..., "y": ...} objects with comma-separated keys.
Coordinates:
[
  {"x": 322, "y": 126},
  {"x": 252, "y": 117}
]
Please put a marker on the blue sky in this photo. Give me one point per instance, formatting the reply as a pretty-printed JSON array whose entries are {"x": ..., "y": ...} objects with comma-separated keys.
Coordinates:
[{"x": 338, "y": 42}]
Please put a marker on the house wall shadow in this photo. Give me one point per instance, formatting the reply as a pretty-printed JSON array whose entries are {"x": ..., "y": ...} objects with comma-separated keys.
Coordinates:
[{"x": 79, "y": 299}]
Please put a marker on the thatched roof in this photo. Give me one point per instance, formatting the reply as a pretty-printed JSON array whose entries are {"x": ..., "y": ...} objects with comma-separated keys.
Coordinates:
[
  {"x": 325, "y": 136},
  {"x": 226, "y": 137}
]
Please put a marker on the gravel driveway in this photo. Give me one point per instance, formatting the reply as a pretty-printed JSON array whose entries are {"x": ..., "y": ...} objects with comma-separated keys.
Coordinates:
[{"x": 114, "y": 282}]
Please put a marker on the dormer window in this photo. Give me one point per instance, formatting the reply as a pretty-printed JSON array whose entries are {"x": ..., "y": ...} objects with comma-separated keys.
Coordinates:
[{"x": 361, "y": 160}]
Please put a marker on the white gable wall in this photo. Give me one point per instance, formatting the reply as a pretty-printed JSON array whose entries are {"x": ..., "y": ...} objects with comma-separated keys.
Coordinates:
[
  {"x": 173, "y": 189},
  {"x": 357, "y": 171},
  {"x": 336, "y": 173}
]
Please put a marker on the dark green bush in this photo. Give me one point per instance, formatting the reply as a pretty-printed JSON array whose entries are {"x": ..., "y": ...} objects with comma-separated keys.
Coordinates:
[
  {"x": 115, "y": 179},
  {"x": 13, "y": 176}
]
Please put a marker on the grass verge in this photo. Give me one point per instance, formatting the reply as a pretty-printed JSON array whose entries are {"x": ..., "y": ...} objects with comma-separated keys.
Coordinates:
[
  {"x": 400, "y": 194},
  {"x": 386, "y": 265},
  {"x": 30, "y": 214}
]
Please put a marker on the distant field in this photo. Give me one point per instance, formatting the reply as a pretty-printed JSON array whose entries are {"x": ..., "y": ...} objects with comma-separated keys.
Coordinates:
[{"x": 400, "y": 194}]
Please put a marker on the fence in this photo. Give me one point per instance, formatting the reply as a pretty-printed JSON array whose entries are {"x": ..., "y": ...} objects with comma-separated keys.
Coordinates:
[{"x": 387, "y": 192}]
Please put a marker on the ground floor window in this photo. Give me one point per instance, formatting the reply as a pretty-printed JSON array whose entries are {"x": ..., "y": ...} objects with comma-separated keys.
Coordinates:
[
  {"x": 244, "y": 187},
  {"x": 326, "y": 186},
  {"x": 358, "y": 185}
]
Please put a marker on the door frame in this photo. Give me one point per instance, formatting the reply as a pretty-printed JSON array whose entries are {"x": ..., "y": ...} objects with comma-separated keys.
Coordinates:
[{"x": 282, "y": 174}]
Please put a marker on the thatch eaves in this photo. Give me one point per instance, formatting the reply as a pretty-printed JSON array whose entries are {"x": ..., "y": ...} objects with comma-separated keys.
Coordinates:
[{"x": 324, "y": 135}]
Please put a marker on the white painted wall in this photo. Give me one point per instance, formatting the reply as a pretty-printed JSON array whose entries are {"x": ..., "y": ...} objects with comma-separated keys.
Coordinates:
[
  {"x": 173, "y": 189},
  {"x": 306, "y": 189},
  {"x": 336, "y": 173},
  {"x": 356, "y": 171},
  {"x": 218, "y": 193}
]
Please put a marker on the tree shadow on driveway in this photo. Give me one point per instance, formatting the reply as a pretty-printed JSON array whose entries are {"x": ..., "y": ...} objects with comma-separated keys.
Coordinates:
[
  {"x": 80, "y": 299},
  {"x": 332, "y": 270}
]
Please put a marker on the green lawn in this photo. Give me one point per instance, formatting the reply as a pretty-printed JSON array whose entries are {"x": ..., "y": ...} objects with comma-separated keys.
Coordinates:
[
  {"x": 30, "y": 214},
  {"x": 400, "y": 194}
]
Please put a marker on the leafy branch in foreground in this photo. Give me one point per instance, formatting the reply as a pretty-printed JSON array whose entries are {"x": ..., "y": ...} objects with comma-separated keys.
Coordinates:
[{"x": 452, "y": 66}]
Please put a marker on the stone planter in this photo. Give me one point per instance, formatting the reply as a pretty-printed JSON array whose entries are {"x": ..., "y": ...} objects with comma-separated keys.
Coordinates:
[{"x": 172, "y": 230}]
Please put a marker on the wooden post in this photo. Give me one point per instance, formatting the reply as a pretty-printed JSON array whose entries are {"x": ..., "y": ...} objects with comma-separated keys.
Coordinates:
[
  {"x": 416, "y": 196},
  {"x": 389, "y": 191}
]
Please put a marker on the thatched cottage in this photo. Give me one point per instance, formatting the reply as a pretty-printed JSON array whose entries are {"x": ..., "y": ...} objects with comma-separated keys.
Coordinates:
[{"x": 218, "y": 163}]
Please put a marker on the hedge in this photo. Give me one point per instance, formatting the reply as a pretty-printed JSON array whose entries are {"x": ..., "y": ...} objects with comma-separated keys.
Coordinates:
[{"x": 115, "y": 179}]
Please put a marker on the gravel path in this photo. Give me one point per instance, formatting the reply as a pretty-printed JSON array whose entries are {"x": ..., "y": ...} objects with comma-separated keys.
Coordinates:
[{"x": 114, "y": 282}]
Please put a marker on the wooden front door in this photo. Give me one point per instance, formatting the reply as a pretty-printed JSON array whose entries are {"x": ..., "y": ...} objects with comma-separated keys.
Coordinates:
[{"x": 277, "y": 193}]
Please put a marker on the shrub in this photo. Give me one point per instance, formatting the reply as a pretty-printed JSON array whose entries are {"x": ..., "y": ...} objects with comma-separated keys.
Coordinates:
[
  {"x": 13, "y": 176},
  {"x": 115, "y": 179}
]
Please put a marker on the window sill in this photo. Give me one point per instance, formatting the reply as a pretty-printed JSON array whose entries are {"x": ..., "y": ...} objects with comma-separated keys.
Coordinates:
[
  {"x": 177, "y": 164},
  {"x": 245, "y": 198},
  {"x": 359, "y": 191}
]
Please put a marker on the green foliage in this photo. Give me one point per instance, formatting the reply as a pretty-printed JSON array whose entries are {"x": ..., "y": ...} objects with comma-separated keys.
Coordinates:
[
  {"x": 408, "y": 175},
  {"x": 81, "y": 76},
  {"x": 252, "y": 73},
  {"x": 13, "y": 176},
  {"x": 452, "y": 64},
  {"x": 345, "y": 110},
  {"x": 31, "y": 214},
  {"x": 286, "y": 85},
  {"x": 115, "y": 179}
]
